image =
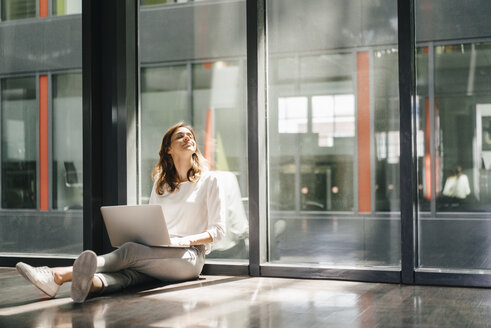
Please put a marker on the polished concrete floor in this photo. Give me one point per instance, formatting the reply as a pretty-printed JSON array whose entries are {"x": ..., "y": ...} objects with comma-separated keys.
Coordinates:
[{"x": 240, "y": 301}]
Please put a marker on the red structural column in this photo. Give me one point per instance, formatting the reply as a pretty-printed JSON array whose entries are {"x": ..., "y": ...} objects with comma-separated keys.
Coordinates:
[
  {"x": 208, "y": 149},
  {"x": 43, "y": 143},
  {"x": 427, "y": 159},
  {"x": 43, "y": 8},
  {"x": 427, "y": 150},
  {"x": 363, "y": 119}
]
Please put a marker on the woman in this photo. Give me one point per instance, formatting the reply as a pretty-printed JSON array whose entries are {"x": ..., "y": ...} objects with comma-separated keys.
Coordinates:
[
  {"x": 195, "y": 215},
  {"x": 457, "y": 185}
]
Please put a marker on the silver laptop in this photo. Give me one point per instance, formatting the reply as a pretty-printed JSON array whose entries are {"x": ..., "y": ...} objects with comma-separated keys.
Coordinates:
[{"x": 144, "y": 224}]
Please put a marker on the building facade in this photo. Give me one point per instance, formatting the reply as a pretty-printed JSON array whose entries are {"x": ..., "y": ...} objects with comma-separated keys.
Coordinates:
[{"x": 329, "y": 127}]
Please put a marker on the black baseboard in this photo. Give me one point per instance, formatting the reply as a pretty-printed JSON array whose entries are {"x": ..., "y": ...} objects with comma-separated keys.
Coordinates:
[{"x": 6, "y": 261}]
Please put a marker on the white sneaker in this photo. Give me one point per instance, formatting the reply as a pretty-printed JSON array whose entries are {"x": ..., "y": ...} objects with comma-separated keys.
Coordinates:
[
  {"x": 41, "y": 277},
  {"x": 84, "y": 269}
]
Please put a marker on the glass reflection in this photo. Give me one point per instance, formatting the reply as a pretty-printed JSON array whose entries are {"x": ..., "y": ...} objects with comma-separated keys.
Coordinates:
[
  {"x": 454, "y": 105},
  {"x": 194, "y": 70},
  {"x": 453, "y": 123},
  {"x": 333, "y": 130},
  {"x": 41, "y": 129},
  {"x": 17, "y": 9},
  {"x": 333, "y": 117},
  {"x": 462, "y": 113},
  {"x": 67, "y": 141},
  {"x": 19, "y": 140},
  {"x": 160, "y": 85},
  {"x": 386, "y": 130},
  {"x": 311, "y": 162},
  {"x": 66, "y": 7},
  {"x": 214, "y": 91},
  {"x": 292, "y": 115}
]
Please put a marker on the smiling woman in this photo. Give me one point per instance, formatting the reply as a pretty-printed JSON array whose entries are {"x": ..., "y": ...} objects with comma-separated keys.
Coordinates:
[
  {"x": 179, "y": 140},
  {"x": 194, "y": 206}
]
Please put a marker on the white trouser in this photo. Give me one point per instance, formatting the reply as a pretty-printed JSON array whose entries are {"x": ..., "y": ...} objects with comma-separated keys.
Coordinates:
[{"x": 134, "y": 264}]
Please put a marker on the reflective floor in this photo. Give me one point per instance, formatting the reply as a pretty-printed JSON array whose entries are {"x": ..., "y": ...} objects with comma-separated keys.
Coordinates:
[{"x": 226, "y": 301}]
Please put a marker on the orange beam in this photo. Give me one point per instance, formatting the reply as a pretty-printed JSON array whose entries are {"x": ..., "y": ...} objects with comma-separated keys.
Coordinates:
[
  {"x": 43, "y": 8},
  {"x": 427, "y": 159},
  {"x": 209, "y": 138},
  {"x": 43, "y": 143},
  {"x": 437, "y": 157},
  {"x": 363, "y": 119},
  {"x": 427, "y": 151}
]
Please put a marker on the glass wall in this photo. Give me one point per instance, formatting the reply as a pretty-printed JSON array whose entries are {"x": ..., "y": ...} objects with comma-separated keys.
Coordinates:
[
  {"x": 332, "y": 128},
  {"x": 332, "y": 137},
  {"x": 40, "y": 131},
  {"x": 193, "y": 70},
  {"x": 454, "y": 115}
]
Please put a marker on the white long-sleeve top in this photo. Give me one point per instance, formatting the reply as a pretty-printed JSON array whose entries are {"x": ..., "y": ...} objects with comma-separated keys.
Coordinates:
[
  {"x": 194, "y": 208},
  {"x": 457, "y": 186}
]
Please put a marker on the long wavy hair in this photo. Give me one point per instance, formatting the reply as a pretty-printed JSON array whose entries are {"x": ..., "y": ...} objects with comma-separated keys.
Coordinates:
[{"x": 165, "y": 173}]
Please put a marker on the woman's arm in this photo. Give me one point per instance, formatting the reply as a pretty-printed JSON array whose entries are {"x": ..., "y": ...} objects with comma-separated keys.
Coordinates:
[
  {"x": 198, "y": 239},
  {"x": 217, "y": 210}
]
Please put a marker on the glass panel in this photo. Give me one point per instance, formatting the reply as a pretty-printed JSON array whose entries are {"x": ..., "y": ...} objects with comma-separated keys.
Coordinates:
[
  {"x": 198, "y": 76},
  {"x": 458, "y": 167},
  {"x": 454, "y": 108},
  {"x": 463, "y": 120},
  {"x": 161, "y": 85},
  {"x": 67, "y": 142},
  {"x": 66, "y": 7},
  {"x": 333, "y": 121},
  {"x": 19, "y": 140},
  {"x": 219, "y": 97},
  {"x": 386, "y": 128},
  {"x": 40, "y": 132},
  {"x": 18, "y": 9}
]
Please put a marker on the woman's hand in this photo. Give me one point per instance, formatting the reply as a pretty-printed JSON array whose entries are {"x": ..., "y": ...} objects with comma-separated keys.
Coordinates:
[
  {"x": 198, "y": 239},
  {"x": 178, "y": 241}
]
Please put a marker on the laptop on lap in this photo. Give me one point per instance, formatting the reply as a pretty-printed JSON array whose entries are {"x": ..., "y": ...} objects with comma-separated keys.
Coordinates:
[{"x": 144, "y": 224}]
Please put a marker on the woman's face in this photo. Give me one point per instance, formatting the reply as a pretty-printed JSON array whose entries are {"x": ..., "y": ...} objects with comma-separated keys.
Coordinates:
[{"x": 182, "y": 142}]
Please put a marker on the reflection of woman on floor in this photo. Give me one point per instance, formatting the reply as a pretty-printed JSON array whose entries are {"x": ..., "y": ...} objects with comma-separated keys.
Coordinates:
[
  {"x": 457, "y": 184},
  {"x": 195, "y": 214}
]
